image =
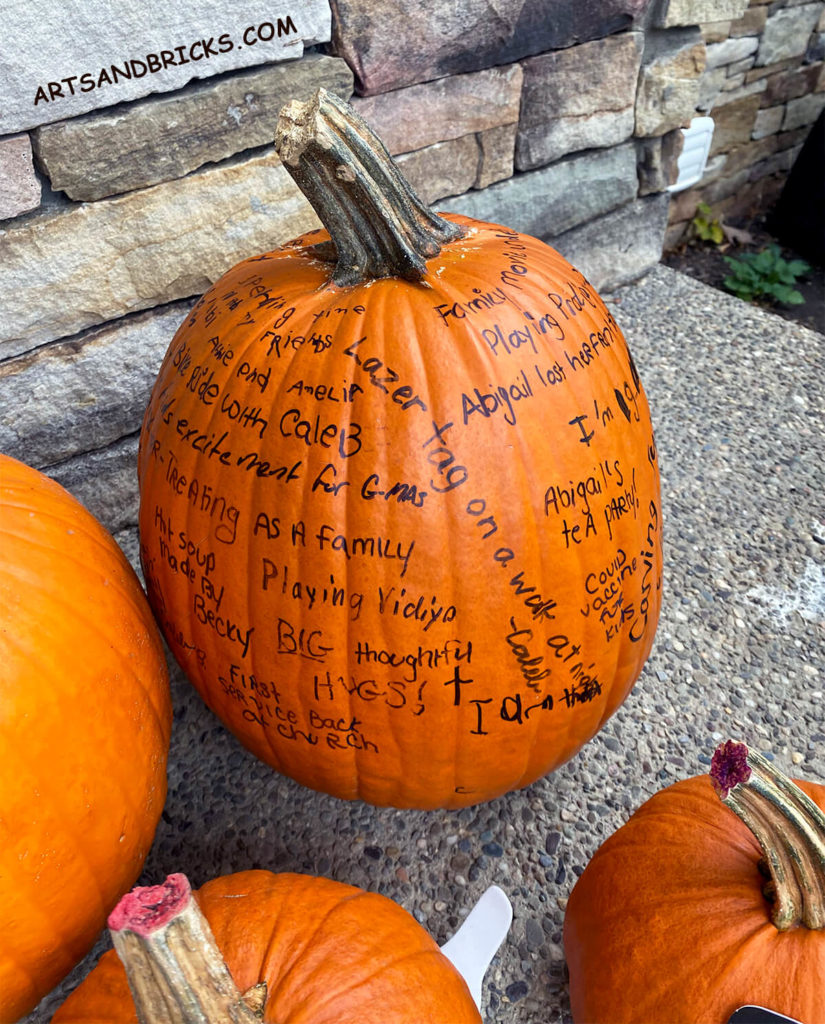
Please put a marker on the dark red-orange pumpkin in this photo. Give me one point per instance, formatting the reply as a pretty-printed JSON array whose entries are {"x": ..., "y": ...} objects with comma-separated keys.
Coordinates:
[
  {"x": 670, "y": 923},
  {"x": 85, "y": 719},
  {"x": 402, "y": 532},
  {"x": 328, "y": 953}
]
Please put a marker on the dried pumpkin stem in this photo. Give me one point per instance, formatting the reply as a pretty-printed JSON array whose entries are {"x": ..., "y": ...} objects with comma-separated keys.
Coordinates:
[
  {"x": 377, "y": 225},
  {"x": 788, "y": 826},
  {"x": 176, "y": 971}
]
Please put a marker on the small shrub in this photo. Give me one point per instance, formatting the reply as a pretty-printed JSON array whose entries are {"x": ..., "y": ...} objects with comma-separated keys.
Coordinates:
[
  {"x": 766, "y": 275},
  {"x": 706, "y": 227}
]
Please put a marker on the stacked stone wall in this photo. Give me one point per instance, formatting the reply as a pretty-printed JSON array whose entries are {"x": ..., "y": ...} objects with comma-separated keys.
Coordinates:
[
  {"x": 764, "y": 86},
  {"x": 120, "y": 204}
]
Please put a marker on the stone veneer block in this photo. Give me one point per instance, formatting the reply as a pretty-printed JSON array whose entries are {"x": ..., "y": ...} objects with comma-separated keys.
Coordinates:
[
  {"x": 621, "y": 246},
  {"x": 736, "y": 89},
  {"x": 452, "y": 168},
  {"x": 741, "y": 67},
  {"x": 166, "y": 137},
  {"x": 498, "y": 149},
  {"x": 731, "y": 51},
  {"x": 771, "y": 69},
  {"x": 710, "y": 85},
  {"x": 19, "y": 188},
  {"x": 816, "y": 48},
  {"x": 733, "y": 83},
  {"x": 726, "y": 186},
  {"x": 92, "y": 263},
  {"x": 85, "y": 393},
  {"x": 105, "y": 482},
  {"x": 449, "y": 108},
  {"x": 751, "y": 24},
  {"x": 675, "y": 234},
  {"x": 768, "y": 122},
  {"x": 752, "y": 153},
  {"x": 790, "y": 85},
  {"x": 716, "y": 31},
  {"x": 802, "y": 111},
  {"x": 779, "y": 163},
  {"x": 733, "y": 123},
  {"x": 443, "y": 169},
  {"x": 577, "y": 99},
  {"x": 657, "y": 162},
  {"x": 549, "y": 201},
  {"x": 683, "y": 205},
  {"x": 57, "y": 57},
  {"x": 673, "y": 13},
  {"x": 668, "y": 91},
  {"x": 393, "y": 43},
  {"x": 787, "y": 32}
]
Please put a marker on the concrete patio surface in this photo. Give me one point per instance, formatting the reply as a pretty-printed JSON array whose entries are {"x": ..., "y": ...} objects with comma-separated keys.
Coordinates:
[{"x": 736, "y": 395}]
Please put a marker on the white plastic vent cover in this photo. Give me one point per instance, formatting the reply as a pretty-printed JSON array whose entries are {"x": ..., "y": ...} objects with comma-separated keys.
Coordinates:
[{"x": 694, "y": 156}]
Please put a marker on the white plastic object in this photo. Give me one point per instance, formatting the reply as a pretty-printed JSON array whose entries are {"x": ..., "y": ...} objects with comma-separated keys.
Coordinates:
[
  {"x": 477, "y": 940},
  {"x": 694, "y": 156}
]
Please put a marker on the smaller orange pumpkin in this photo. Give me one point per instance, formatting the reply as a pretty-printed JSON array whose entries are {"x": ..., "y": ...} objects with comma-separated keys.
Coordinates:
[
  {"x": 672, "y": 921},
  {"x": 298, "y": 949}
]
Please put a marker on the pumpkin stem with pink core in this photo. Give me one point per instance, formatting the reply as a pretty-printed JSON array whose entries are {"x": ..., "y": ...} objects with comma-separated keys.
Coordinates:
[
  {"x": 787, "y": 824},
  {"x": 176, "y": 972},
  {"x": 377, "y": 224}
]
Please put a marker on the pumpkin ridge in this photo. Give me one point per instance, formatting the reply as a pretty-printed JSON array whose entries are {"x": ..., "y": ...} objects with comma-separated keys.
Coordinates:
[
  {"x": 455, "y": 289},
  {"x": 308, "y": 939},
  {"x": 72, "y": 517},
  {"x": 356, "y": 984},
  {"x": 267, "y": 497},
  {"x": 78, "y": 613},
  {"x": 92, "y": 876},
  {"x": 71, "y": 835},
  {"x": 427, "y": 364}
]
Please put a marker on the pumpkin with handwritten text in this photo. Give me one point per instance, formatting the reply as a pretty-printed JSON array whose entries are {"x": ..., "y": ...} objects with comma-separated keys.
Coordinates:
[
  {"x": 400, "y": 515},
  {"x": 85, "y": 720}
]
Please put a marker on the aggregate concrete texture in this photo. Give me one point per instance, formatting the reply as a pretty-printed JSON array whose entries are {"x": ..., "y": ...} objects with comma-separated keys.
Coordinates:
[{"x": 736, "y": 397}]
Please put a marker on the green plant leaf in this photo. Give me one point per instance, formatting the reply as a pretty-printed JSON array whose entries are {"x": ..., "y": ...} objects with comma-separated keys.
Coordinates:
[
  {"x": 705, "y": 226},
  {"x": 787, "y": 296},
  {"x": 784, "y": 272},
  {"x": 738, "y": 288},
  {"x": 765, "y": 274}
]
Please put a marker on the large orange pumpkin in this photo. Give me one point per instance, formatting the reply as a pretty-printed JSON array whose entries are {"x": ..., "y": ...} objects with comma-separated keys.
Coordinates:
[
  {"x": 402, "y": 532},
  {"x": 329, "y": 953},
  {"x": 672, "y": 921},
  {"x": 85, "y": 718}
]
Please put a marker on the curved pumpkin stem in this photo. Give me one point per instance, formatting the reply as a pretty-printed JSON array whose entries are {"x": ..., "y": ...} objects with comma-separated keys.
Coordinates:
[
  {"x": 788, "y": 826},
  {"x": 176, "y": 971},
  {"x": 377, "y": 225}
]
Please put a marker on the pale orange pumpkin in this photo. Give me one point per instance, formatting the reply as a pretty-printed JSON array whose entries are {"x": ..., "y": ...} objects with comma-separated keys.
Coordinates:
[
  {"x": 85, "y": 719},
  {"x": 400, "y": 517}
]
